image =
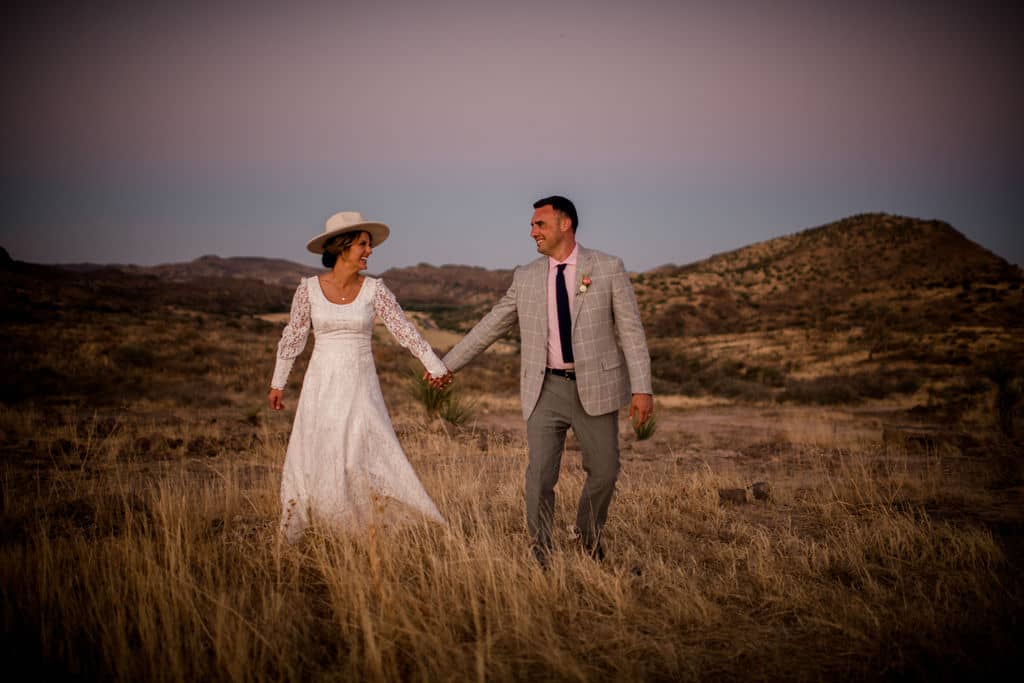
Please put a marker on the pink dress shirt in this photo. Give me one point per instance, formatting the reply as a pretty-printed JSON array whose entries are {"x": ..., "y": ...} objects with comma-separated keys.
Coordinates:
[{"x": 554, "y": 342}]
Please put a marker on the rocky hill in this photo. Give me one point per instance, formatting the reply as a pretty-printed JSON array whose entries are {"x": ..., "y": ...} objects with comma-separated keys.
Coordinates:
[
  {"x": 862, "y": 270},
  {"x": 871, "y": 307}
]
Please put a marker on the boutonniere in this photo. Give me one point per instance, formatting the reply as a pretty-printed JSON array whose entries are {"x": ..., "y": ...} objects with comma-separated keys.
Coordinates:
[{"x": 584, "y": 283}]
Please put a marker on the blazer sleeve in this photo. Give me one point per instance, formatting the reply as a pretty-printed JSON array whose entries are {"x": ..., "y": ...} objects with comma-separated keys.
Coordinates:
[
  {"x": 496, "y": 323},
  {"x": 629, "y": 330}
]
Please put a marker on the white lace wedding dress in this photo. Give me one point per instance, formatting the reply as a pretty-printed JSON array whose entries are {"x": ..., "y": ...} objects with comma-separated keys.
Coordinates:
[{"x": 344, "y": 464}]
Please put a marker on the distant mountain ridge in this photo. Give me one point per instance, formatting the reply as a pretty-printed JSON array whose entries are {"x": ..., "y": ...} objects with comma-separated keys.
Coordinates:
[
  {"x": 450, "y": 285},
  {"x": 851, "y": 272},
  {"x": 267, "y": 270},
  {"x": 420, "y": 284}
]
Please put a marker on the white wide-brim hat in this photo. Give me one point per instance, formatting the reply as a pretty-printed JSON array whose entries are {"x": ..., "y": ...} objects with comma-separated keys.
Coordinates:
[{"x": 348, "y": 221}]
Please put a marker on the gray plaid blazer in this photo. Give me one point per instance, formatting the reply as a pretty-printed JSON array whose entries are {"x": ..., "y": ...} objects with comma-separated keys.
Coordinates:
[{"x": 608, "y": 341}]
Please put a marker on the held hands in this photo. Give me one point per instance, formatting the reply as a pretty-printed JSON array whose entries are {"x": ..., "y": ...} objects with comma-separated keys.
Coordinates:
[
  {"x": 274, "y": 398},
  {"x": 642, "y": 405},
  {"x": 439, "y": 382}
]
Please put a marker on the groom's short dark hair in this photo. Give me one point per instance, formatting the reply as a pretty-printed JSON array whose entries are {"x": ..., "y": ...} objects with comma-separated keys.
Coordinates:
[{"x": 561, "y": 204}]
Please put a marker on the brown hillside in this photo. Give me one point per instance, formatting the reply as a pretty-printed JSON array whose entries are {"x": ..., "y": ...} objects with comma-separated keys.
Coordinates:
[
  {"x": 873, "y": 307},
  {"x": 455, "y": 296},
  {"x": 35, "y": 292},
  {"x": 916, "y": 274},
  {"x": 269, "y": 271},
  {"x": 448, "y": 284}
]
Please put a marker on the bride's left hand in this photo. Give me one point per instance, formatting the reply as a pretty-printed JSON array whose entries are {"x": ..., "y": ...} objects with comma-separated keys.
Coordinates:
[{"x": 276, "y": 399}]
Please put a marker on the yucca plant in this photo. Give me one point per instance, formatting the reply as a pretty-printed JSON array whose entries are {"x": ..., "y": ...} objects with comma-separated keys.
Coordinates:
[
  {"x": 431, "y": 398},
  {"x": 457, "y": 410},
  {"x": 646, "y": 430},
  {"x": 444, "y": 403}
]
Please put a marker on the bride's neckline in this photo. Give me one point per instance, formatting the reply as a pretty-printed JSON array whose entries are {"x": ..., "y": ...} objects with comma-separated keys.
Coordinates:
[{"x": 343, "y": 302}]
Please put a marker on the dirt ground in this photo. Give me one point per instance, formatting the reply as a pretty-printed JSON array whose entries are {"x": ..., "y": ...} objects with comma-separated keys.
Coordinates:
[{"x": 688, "y": 426}]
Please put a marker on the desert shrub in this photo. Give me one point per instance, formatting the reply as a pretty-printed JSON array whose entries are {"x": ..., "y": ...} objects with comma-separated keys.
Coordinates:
[
  {"x": 445, "y": 403},
  {"x": 821, "y": 391},
  {"x": 886, "y": 383},
  {"x": 838, "y": 389},
  {"x": 766, "y": 375},
  {"x": 23, "y": 383},
  {"x": 675, "y": 320},
  {"x": 646, "y": 430},
  {"x": 737, "y": 388},
  {"x": 952, "y": 401},
  {"x": 133, "y": 355},
  {"x": 424, "y": 393},
  {"x": 197, "y": 391},
  {"x": 457, "y": 410},
  {"x": 674, "y": 367},
  {"x": 678, "y": 371},
  {"x": 1008, "y": 376},
  {"x": 453, "y": 317}
]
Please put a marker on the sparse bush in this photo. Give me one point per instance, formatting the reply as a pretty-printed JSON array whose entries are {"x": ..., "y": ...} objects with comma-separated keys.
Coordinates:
[
  {"x": 431, "y": 398},
  {"x": 646, "y": 430},
  {"x": 457, "y": 410},
  {"x": 839, "y": 389},
  {"x": 736, "y": 388},
  {"x": 444, "y": 403},
  {"x": 821, "y": 391},
  {"x": 680, "y": 371},
  {"x": 1005, "y": 372},
  {"x": 134, "y": 355}
]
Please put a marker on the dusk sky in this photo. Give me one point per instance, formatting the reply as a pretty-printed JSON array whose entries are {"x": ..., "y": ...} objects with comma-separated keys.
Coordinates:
[{"x": 138, "y": 134}]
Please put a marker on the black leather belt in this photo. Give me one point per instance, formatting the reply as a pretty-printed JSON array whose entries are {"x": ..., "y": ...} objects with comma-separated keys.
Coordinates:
[{"x": 568, "y": 374}]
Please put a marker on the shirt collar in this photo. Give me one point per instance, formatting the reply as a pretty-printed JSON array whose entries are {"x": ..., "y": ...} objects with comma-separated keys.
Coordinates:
[{"x": 570, "y": 259}]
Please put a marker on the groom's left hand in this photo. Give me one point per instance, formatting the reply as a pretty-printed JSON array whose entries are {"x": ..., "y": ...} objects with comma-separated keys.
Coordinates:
[{"x": 642, "y": 405}]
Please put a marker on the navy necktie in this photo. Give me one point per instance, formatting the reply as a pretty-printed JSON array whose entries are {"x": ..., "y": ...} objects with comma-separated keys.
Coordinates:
[{"x": 564, "y": 319}]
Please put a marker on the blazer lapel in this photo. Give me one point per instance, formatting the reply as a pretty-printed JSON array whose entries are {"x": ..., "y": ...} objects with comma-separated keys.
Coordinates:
[
  {"x": 540, "y": 281},
  {"x": 582, "y": 270}
]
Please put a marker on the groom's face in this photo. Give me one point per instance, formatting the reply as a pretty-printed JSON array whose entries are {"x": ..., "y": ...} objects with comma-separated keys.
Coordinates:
[{"x": 549, "y": 229}]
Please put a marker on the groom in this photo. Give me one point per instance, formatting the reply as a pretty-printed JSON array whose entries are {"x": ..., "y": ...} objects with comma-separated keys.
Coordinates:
[{"x": 584, "y": 355}]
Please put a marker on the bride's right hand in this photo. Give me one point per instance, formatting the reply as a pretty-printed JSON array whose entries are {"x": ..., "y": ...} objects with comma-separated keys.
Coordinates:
[{"x": 275, "y": 399}]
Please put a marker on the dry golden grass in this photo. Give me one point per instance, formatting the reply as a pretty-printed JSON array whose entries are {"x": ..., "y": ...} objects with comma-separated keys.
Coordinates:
[
  {"x": 166, "y": 566},
  {"x": 139, "y": 504}
]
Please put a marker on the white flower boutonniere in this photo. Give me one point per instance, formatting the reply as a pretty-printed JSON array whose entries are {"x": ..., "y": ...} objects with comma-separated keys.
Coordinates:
[{"x": 585, "y": 282}]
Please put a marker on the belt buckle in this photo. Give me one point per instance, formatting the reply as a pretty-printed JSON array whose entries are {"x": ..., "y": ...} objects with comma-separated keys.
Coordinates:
[{"x": 560, "y": 372}]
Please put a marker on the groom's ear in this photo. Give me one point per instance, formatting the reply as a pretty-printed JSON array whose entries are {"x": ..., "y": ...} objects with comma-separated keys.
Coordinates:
[{"x": 564, "y": 223}]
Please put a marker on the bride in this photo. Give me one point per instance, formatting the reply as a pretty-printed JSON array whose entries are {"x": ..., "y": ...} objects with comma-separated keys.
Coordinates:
[{"x": 344, "y": 464}]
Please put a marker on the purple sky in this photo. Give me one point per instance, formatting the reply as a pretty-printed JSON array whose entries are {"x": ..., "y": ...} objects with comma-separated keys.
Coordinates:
[{"x": 136, "y": 134}]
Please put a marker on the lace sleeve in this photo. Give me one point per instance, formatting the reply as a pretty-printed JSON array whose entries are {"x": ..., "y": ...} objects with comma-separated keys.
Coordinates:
[
  {"x": 387, "y": 308},
  {"x": 293, "y": 338}
]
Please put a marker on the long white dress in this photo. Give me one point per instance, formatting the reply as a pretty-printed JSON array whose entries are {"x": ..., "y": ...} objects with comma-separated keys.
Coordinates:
[{"x": 344, "y": 464}]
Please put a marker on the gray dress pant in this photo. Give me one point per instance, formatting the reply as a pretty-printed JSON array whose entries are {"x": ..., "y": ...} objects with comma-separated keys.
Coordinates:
[{"x": 557, "y": 409}]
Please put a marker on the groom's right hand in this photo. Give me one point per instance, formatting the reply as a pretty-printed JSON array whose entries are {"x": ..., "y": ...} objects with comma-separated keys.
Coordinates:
[{"x": 439, "y": 382}]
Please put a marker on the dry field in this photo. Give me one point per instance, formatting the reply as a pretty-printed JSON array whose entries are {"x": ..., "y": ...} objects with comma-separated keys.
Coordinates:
[{"x": 138, "y": 503}]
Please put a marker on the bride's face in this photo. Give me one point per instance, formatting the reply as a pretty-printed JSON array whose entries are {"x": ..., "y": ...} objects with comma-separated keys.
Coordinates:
[{"x": 358, "y": 252}]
